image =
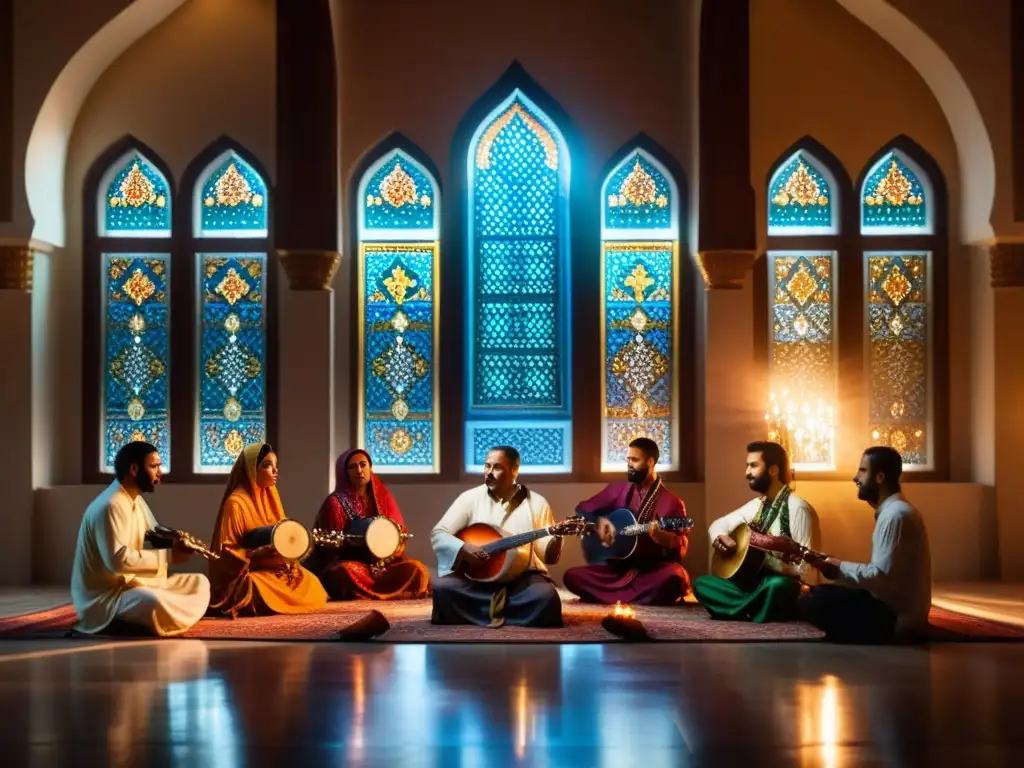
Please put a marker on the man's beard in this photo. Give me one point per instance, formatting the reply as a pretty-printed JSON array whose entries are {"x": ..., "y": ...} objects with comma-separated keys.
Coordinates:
[
  {"x": 760, "y": 484},
  {"x": 636, "y": 475},
  {"x": 868, "y": 492},
  {"x": 145, "y": 484}
]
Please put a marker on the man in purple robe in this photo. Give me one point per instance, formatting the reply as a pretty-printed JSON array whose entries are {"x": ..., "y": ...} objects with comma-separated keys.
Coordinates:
[{"x": 653, "y": 574}]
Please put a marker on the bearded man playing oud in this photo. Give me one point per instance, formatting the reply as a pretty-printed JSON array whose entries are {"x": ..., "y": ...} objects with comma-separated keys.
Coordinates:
[
  {"x": 653, "y": 574},
  {"x": 114, "y": 576},
  {"x": 780, "y": 522}
]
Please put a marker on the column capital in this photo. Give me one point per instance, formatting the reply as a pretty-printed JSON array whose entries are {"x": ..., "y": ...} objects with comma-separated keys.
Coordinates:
[
  {"x": 1006, "y": 264},
  {"x": 309, "y": 270},
  {"x": 725, "y": 270},
  {"x": 16, "y": 268}
]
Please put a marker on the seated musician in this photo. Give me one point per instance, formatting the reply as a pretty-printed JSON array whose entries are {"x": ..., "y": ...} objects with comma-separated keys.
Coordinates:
[
  {"x": 890, "y": 596},
  {"x": 351, "y": 572},
  {"x": 256, "y": 581},
  {"x": 781, "y": 522},
  {"x": 115, "y": 578},
  {"x": 529, "y": 600},
  {"x": 653, "y": 574}
]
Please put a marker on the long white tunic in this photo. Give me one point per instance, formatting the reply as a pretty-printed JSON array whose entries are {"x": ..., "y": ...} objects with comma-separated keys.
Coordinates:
[
  {"x": 900, "y": 571},
  {"x": 477, "y": 505},
  {"x": 802, "y": 525},
  {"x": 114, "y": 576}
]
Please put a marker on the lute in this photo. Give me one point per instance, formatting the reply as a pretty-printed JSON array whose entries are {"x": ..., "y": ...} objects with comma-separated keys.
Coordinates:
[
  {"x": 508, "y": 555},
  {"x": 627, "y": 529}
]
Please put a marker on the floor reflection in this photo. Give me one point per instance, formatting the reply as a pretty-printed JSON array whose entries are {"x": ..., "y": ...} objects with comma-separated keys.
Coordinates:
[{"x": 229, "y": 705}]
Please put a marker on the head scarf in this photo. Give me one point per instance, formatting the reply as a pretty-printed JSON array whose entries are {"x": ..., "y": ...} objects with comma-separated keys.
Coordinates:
[
  {"x": 243, "y": 480},
  {"x": 382, "y": 498}
]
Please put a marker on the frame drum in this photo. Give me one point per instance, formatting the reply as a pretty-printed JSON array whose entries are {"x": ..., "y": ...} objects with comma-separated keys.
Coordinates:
[
  {"x": 289, "y": 537},
  {"x": 380, "y": 534}
]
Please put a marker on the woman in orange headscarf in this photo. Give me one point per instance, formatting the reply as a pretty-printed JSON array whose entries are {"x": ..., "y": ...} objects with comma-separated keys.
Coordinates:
[
  {"x": 351, "y": 572},
  {"x": 256, "y": 581}
]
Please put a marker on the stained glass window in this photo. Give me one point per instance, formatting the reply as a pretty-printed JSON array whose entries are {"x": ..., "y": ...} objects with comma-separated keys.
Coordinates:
[
  {"x": 231, "y": 201},
  {"x": 801, "y": 198},
  {"x": 896, "y": 198},
  {"x": 803, "y": 355},
  {"x": 231, "y": 339},
  {"x": 136, "y": 345},
  {"x": 136, "y": 199},
  {"x": 398, "y": 311},
  {"x": 898, "y": 319},
  {"x": 639, "y": 312},
  {"x": 518, "y": 300}
]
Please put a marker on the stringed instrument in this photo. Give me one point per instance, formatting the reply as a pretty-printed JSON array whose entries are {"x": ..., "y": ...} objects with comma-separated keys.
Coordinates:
[
  {"x": 164, "y": 537},
  {"x": 627, "y": 529},
  {"x": 509, "y": 558},
  {"x": 743, "y": 565}
]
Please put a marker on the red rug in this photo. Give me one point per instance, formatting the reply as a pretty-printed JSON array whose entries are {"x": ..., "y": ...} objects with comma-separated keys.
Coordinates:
[{"x": 410, "y": 623}]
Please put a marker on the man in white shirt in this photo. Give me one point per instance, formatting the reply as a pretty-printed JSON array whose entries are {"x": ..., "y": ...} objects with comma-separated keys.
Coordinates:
[
  {"x": 528, "y": 600},
  {"x": 780, "y": 522},
  {"x": 892, "y": 595},
  {"x": 114, "y": 576}
]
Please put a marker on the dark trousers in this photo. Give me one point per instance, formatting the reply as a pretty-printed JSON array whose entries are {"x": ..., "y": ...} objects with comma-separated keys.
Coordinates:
[
  {"x": 848, "y": 615},
  {"x": 529, "y": 601}
]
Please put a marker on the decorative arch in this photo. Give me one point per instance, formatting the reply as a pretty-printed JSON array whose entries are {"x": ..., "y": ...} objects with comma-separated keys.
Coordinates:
[
  {"x": 646, "y": 349},
  {"x": 126, "y": 294},
  {"x": 228, "y": 335},
  {"x": 397, "y": 209},
  {"x": 904, "y": 299},
  {"x": 809, "y": 215},
  {"x": 512, "y": 152}
]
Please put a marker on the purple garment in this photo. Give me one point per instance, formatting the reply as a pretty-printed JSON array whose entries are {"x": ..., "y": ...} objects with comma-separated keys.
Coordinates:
[{"x": 653, "y": 575}]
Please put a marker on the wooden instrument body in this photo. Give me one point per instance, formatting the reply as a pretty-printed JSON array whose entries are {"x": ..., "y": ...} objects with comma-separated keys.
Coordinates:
[
  {"x": 163, "y": 537},
  {"x": 500, "y": 566},
  {"x": 743, "y": 566},
  {"x": 625, "y": 542}
]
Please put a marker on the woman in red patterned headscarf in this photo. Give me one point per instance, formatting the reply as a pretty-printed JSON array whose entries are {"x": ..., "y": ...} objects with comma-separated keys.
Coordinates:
[{"x": 351, "y": 572}]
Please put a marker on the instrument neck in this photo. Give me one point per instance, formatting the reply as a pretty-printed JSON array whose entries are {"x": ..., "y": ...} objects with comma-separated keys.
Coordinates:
[{"x": 511, "y": 542}]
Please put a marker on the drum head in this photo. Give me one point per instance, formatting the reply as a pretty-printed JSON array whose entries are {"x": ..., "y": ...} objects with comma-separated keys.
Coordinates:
[
  {"x": 291, "y": 539},
  {"x": 726, "y": 566},
  {"x": 383, "y": 537}
]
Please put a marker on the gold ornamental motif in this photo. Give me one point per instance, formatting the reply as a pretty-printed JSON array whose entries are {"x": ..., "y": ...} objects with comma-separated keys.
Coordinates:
[
  {"x": 137, "y": 324},
  {"x": 801, "y": 325},
  {"x": 639, "y": 188},
  {"x": 638, "y": 320},
  {"x": 138, "y": 287},
  {"x": 896, "y": 286},
  {"x": 896, "y": 325},
  {"x": 233, "y": 443},
  {"x": 894, "y": 189},
  {"x": 639, "y": 281},
  {"x": 398, "y": 188},
  {"x": 400, "y": 441},
  {"x": 136, "y": 410},
  {"x": 232, "y": 410},
  {"x": 232, "y": 189},
  {"x": 137, "y": 190},
  {"x": 400, "y": 321},
  {"x": 483, "y": 150},
  {"x": 800, "y": 189},
  {"x": 398, "y": 284},
  {"x": 232, "y": 323},
  {"x": 400, "y": 409},
  {"x": 233, "y": 287},
  {"x": 802, "y": 286}
]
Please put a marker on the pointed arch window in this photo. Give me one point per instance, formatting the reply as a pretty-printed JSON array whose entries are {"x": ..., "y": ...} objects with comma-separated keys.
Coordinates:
[
  {"x": 804, "y": 229},
  {"x": 127, "y": 293},
  {"x": 230, "y": 250},
  {"x": 398, "y": 294},
  {"x": 639, "y": 309},
  {"x": 518, "y": 345},
  {"x": 898, "y": 208}
]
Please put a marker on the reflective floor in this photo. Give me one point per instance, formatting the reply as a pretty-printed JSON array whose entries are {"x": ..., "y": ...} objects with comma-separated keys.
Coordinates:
[{"x": 192, "y": 703}]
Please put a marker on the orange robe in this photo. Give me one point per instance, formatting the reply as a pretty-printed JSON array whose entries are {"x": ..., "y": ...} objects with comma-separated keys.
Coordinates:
[{"x": 239, "y": 584}]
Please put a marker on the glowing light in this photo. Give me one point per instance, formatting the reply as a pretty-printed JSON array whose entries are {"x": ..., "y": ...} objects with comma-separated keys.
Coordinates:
[
  {"x": 623, "y": 611},
  {"x": 805, "y": 430}
]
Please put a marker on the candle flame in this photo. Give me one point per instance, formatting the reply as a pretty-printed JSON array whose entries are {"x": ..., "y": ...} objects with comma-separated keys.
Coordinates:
[{"x": 623, "y": 611}]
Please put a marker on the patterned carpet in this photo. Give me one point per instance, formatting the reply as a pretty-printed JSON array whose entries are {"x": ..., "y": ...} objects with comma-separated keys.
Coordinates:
[{"x": 410, "y": 623}]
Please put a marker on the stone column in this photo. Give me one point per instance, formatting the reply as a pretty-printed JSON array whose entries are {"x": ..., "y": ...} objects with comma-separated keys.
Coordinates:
[
  {"x": 16, "y": 402},
  {"x": 1007, "y": 269},
  {"x": 733, "y": 387},
  {"x": 306, "y": 236}
]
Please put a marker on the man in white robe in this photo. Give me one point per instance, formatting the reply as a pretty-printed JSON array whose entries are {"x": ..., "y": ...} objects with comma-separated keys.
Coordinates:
[
  {"x": 529, "y": 600},
  {"x": 115, "y": 577},
  {"x": 891, "y": 596}
]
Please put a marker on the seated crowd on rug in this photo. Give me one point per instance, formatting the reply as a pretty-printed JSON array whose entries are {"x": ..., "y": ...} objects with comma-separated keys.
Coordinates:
[{"x": 494, "y": 546}]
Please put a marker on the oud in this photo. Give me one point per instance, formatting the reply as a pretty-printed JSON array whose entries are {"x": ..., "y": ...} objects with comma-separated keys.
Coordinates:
[
  {"x": 627, "y": 529},
  {"x": 508, "y": 557}
]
